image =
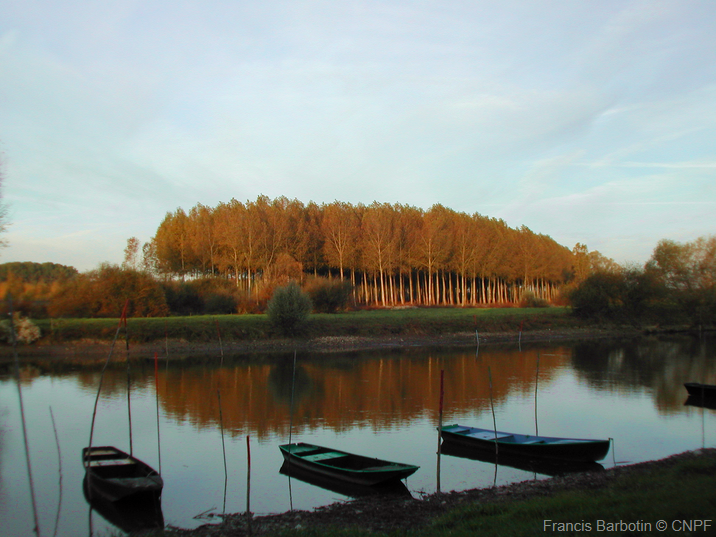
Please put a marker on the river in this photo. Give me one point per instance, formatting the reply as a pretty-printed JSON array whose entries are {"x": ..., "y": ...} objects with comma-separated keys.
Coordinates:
[{"x": 378, "y": 403}]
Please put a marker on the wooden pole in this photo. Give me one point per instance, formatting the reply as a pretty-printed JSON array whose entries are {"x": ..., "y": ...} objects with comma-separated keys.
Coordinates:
[
  {"x": 248, "y": 485},
  {"x": 101, "y": 377},
  {"x": 156, "y": 394},
  {"x": 223, "y": 447},
  {"x": 221, "y": 346},
  {"x": 59, "y": 460},
  {"x": 36, "y": 528},
  {"x": 440, "y": 421},
  {"x": 492, "y": 406},
  {"x": 129, "y": 383},
  {"x": 536, "y": 383}
]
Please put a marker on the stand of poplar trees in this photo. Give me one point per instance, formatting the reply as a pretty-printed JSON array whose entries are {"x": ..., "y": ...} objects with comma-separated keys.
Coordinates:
[{"x": 392, "y": 254}]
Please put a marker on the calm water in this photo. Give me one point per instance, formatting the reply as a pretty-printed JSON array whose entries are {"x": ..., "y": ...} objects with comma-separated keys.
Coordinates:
[{"x": 383, "y": 404}]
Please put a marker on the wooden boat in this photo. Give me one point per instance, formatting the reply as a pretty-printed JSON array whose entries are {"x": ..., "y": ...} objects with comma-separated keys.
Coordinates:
[
  {"x": 697, "y": 389},
  {"x": 529, "y": 446},
  {"x": 550, "y": 467},
  {"x": 347, "y": 467},
  {"x": 114, "y": 475}
]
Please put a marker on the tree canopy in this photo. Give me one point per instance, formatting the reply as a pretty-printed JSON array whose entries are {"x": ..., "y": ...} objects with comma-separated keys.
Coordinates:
[{"x": 392, "y": 254}]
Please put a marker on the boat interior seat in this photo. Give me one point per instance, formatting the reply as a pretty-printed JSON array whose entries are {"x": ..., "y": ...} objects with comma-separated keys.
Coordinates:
[{"x": 323, "y": 456}]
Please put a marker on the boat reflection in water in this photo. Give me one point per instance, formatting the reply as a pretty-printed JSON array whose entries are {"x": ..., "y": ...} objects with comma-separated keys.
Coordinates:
[
  {"x": 395, "y": 488},
  {"x": 131, "y": 514},
  {"x": 550, "y": 467},
  {"x": 701, "y": 401}
]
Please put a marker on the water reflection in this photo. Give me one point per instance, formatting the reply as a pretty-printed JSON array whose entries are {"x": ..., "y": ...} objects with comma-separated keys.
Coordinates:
[
  {"x": 382, "y": 403},
  {"x": 544, "y": 467},
  {"x": 658, "y": 365},
  {"x": 362, "y": 389},
  {"x": 342, "y": 487},
  {"x": 129, "y": 515}
]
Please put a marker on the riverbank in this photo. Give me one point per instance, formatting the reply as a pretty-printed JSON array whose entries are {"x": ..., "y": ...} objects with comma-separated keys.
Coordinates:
[
  {"x": 677, "y": 488},
  {"x": 176, "y": 349}
]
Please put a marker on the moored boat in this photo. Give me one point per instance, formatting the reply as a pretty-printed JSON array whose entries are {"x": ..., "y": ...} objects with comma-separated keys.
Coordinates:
[
  {"x": 347, "y": 467},
  {"x": 115, "y": 475},
  {"x": 530, "y": 446}
]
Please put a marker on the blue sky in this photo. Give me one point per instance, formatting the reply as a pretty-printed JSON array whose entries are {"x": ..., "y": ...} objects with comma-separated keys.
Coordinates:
[{"x": 589, "y": 121}]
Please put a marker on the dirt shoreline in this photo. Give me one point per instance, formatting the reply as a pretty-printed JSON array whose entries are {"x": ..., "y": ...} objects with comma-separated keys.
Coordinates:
[
  {"x": 178, "y": 349},
  {"x": 387, "y": 514}
]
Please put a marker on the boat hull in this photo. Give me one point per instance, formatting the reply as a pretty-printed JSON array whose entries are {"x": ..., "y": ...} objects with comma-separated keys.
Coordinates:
[
  {"x": 114, "y": 475},
  {"x": 347, "y": 467},
  {"x": 527, "y": 446}
]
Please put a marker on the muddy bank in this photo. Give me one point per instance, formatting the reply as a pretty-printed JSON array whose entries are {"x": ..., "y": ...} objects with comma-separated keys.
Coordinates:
[
  {"x": 177, "y": 349},
  {"x": 403, "y": 515}
]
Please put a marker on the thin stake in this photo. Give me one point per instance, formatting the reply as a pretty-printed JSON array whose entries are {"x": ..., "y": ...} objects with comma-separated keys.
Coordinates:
[
  {"x": 492, "y": 406},
  {"x": 290, "y": 419},
  {"x": 494, "y": 423},
  {"x": 536, "y": 382},
  {"x": 290, "y": 432},
  {"x": 440, "y": 420},
  {"x": 36, "y": 529},
  {"x": 223, "y": 447},
  {"x": 156, "y": 393},
  {"x": 248, "y": 484},
  {"x": 519, "y": 340},
  {"x": 99, "y": 389},
  {"x": 221, "y": 346},
  {"x": 59, "y": 461},
  {"x": 129, "y": 384}
]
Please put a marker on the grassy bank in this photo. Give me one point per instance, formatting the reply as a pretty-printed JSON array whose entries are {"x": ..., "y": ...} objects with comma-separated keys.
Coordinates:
[
  {"x": 674, "y": 496},
  {"x": 632, "y": 505},
  {"x": 423, "y": 321}
]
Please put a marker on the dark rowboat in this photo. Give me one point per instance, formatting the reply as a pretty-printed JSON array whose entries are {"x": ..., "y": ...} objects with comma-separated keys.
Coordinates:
[
  {"x": 528, "y": 446},
  {"x": 114, "y": 475},
  {"x": 696, "y": 389},
  {"x": 347, "y": 467}
]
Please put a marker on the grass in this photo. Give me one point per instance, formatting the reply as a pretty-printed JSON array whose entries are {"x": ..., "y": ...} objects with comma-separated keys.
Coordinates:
[
  {"x": 418, "y": 321},
  {"x": 684, "y": 492},
  {"x": 682, "y": 495}
]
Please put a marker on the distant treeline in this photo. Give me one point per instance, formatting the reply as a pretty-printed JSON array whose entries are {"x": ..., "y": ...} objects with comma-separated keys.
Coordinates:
[
  {"x": 36, "y": 272},
  {"x": 391, "y": 254}
]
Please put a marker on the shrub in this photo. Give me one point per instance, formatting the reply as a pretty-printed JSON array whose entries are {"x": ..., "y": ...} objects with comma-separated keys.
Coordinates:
[
  {"x": 25, "y": 330},
  {"x": 104, "y": 291},
  {"x": 329, "y": 296},
  {"x": 529, "y": 300},
  {"x": 220, "y": 303},
  {"x": 598, "y": 297},
  {"x": 288, "y": 308}
]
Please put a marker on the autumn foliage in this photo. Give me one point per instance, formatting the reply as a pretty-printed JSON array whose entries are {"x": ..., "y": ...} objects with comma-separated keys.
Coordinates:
[{"x": 390, "y": 254}]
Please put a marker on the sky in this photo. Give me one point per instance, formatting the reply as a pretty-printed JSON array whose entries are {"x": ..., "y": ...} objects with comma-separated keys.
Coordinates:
[{"x": 592, "y": 122}]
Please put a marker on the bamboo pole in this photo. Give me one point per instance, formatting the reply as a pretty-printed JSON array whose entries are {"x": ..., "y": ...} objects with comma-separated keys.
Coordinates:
[{"x": 36, "y": 528}]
